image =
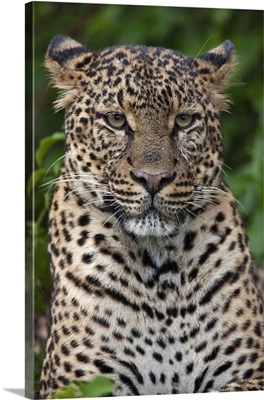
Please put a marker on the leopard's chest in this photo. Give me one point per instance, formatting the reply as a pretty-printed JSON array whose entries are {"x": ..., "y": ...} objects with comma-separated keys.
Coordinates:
[{"x": 163, "y": 345}]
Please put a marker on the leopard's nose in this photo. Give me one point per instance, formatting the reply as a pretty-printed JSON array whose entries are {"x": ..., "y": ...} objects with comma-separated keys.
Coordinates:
[{"x": 152, "y": 183}]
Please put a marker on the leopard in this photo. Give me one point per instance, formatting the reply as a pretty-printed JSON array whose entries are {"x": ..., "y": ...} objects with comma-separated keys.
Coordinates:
[{"x": 152, "y": 276}]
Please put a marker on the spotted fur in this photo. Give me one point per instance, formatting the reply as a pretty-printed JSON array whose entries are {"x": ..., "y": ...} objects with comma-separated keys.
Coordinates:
[{"x": 151, "y": 269}]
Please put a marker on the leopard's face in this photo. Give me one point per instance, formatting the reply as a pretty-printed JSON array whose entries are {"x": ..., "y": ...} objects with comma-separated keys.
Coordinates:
[{"x": 142, "y": 132}]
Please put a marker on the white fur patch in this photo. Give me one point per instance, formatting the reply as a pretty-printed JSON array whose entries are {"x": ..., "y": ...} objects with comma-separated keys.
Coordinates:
[{"x": 151, "y": 224}]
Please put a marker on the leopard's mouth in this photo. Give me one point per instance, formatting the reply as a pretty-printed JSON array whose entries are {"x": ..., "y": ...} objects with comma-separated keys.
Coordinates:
[{"x": 150, "y": 222}]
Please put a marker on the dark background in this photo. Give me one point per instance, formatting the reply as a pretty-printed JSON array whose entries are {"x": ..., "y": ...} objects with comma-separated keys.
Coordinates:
[{"x": 188, "y": 30}]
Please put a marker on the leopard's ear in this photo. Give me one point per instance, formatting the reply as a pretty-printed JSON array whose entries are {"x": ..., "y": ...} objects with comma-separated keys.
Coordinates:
[
  {"x": 219, "y": 55},
  {"x": 67, "y": 61},
  {"x": 220, "y": 60},
  {"x": 216, "y": 67}
]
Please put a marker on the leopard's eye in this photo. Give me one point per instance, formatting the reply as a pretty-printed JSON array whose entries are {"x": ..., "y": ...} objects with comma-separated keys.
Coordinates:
[
  {"x": 184, "y": 120},
  {"x": 116, "y": 120}
]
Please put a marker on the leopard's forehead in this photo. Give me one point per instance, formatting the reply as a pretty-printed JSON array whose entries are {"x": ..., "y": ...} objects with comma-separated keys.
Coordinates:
[
  {"x": 150, "y": 64},
  {"x": 157, "y": 57}
]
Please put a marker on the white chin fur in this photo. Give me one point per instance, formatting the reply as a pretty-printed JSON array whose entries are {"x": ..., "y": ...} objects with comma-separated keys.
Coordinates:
[{"x": 149, "y": 225}]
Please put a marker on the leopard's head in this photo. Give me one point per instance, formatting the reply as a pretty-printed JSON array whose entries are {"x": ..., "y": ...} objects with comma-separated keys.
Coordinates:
[{"x": 143, "y": 139}]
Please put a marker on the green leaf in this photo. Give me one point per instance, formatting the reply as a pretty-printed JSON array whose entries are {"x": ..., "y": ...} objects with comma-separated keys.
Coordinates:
[
  {"x": 69, "y": 391},
  {"x": 46, "y": 143},
  {"x": 97, "y": 387}
]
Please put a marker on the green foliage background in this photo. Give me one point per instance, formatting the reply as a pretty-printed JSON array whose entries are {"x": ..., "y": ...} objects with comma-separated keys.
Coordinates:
[{"x": 188, "y": 30}]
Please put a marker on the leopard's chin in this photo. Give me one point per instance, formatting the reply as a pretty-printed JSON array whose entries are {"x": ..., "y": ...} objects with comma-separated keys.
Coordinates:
[{"x": 152, "y": 224}]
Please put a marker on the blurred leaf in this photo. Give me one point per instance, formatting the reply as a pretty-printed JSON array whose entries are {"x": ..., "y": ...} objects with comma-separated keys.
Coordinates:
[
  {"x": 99, "y": 386},
  {"x": 35, "y": 178},
  {"x": 42, "y": 270},
  {"x": 255, "y": 232},
  {"x": 38, "y": 357},
  {"x": 42, "y": 262},
  {"x": 45, "y": 145},
  {"x": 70, "y": 391},
  {"x": 40, "y": 306},
  {"x": 47, "y": 198}
]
